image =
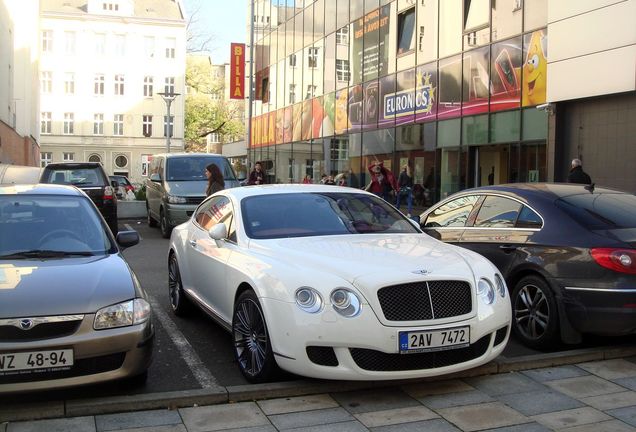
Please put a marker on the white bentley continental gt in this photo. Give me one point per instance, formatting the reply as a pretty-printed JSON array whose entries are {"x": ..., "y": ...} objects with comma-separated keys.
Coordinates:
[{"x": 332, "y": 282}]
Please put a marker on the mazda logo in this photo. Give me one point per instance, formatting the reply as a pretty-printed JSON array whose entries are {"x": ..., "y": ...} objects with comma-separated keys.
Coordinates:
[{"x": 26, "y": 324}]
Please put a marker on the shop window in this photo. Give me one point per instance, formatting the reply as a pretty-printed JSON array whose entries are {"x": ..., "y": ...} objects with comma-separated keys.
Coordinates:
[
  {"x": 406, "y": 31},
  {"x": 505, "y": 126}
]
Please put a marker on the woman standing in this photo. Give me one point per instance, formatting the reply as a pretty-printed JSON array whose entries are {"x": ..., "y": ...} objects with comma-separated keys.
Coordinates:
[
  {"x": 215, "y": 179},
  {"x": 405, "y": 189}
]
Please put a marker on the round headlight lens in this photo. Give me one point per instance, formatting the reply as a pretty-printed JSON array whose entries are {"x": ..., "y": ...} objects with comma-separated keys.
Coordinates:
[
  {"x": 308, "y": 299},
  {"x": 345, "y": 302},
  {"x": 501, "y": 285},
  {"x": 486, "y": 291}
]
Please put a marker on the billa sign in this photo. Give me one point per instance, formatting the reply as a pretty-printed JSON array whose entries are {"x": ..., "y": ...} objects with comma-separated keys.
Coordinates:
[{"x": 237, "y": 71}]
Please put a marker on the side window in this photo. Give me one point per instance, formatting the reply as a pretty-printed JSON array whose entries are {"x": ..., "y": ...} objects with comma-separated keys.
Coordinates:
[
  {"x": 528, "y": 219},
  {"x": 497, "y": 212},
  {"x": 214, "y": 211},
  {"x": 452, "y": 214}
]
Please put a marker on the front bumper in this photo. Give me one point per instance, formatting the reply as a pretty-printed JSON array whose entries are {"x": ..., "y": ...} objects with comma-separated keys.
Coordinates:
[
  {"x": 605, "y": 310},
  {"x": 99, "y": 356},
  {"x": 179, "y": 213}
]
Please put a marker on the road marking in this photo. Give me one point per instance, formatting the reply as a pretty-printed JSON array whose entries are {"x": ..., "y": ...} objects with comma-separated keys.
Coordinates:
[
  {"x": 188, "y": 354},
  {"x": 129, "y": 228}
]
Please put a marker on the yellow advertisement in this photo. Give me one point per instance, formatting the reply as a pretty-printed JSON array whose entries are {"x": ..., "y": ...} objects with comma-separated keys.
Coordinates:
[
  {"x": 341, "y": 112},
  {"x": 535, "y": 68}
]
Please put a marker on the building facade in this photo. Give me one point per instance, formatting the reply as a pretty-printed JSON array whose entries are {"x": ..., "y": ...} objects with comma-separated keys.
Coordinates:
[
  {"x": 456, "y": 89},
  {"x": 102, "y": 67}
]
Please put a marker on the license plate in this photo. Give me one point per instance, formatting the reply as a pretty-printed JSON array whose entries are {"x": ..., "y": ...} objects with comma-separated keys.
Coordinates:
[
  {"x": 434, "y": 340},
  {"x": 55, "y": 359}
]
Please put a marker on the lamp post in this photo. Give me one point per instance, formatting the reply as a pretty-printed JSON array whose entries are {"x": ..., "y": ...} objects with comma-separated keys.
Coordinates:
[{"x": 168, "y": 98}]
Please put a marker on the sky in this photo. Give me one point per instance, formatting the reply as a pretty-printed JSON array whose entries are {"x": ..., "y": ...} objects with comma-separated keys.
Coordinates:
[{"x": 224, "y": 20}]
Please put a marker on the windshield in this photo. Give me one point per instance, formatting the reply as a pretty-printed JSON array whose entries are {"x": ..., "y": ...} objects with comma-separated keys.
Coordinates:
[
  {"x": 318, "y": 214},
  {"x": 193, "y": 168},
  {"x": 601, "y": 211},
  {"x": 73, "y": 176},
  {"x": 32, "y": 223}
]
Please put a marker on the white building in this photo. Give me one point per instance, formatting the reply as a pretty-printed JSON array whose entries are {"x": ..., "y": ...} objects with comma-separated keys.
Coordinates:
[{"x": 102, "y": 65}]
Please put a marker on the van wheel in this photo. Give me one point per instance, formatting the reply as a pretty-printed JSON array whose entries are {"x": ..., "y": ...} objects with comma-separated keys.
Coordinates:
[
  {"x": 166, "y": 229},
  {"x": 152, "y": 222}
]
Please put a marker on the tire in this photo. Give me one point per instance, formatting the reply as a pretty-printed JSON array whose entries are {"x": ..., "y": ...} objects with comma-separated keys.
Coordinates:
[
  {"x": 535, "y": 317},
  {"x": 180, "y": 303},
  {"x": 164, "y": 226},
  {"x": 252, "y": 345},
  {"x": 152, "y": 222}
]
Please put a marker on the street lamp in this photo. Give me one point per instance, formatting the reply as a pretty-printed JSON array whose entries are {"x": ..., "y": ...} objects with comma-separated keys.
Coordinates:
[{"x": 168, "y": 98}]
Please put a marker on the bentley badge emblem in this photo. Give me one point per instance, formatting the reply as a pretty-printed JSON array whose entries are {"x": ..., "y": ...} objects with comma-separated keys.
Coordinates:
[{"x": 422, "y": 272}]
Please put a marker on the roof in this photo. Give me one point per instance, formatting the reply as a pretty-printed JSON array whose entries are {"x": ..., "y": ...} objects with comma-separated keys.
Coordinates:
[
  {"x": 272, "y": 189},
  {"x": 557, "y": 190},
  {"x": 40, "y": 189},
  {"x": 149, "y": 9}
]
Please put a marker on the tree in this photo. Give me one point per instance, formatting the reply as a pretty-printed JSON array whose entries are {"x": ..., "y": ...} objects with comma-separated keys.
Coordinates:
[{"x": 197, "y": 39}]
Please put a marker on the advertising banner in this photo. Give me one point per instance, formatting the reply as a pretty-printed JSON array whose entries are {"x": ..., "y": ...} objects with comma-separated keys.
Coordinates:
[
  {"x": 476, "y": 81},
  {"x": 402, "y": 103},
  {"x": 505, "y": 76},
  {"x": 370, "y": 45},
  {"x": 237, "y": 71},
  {"x": 535, "y": 68},
  {"x": 387, "y": 91},
  {"x": 341, "y": 124},
  {"x": 426, "y": 92}
]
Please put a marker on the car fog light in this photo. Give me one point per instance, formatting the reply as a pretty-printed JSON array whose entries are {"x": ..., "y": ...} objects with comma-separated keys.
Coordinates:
[
  {"x": 346, "y": 302},
  {"x": 501, "y": 285},
  {"x": 308, "y": 299},
  {"x": 486, "y": 291}
]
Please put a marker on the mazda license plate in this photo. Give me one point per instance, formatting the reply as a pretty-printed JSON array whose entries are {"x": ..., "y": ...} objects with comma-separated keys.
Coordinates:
[
  {"x": 48, "y": 360},
  {"x": 434, "y": 340}
]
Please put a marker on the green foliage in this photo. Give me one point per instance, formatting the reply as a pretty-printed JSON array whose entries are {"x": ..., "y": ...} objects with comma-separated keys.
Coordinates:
[{"x": 140, "y": 193}]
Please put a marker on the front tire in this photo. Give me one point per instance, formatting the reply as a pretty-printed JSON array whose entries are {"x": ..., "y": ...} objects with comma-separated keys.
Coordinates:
[
  {"x": 252, "y": 345},
  {"x": 535, "y": 316},
  {"x": 164, "y": 226},
  {"x": 180, "y": 304}
]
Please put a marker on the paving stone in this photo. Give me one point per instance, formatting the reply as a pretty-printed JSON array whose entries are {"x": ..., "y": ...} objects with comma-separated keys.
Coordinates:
[
  {"x": 438, "y": 425},
  {"x": 268, "y": 428},
  {"x": 220, "y": 417},
  {"x": 494, "y": 385},
  {"x": 533, "y": 403},
  {"x": 74, "y": 424},
  {"x": 526, "y": 427},
  {"x": 295, "y": 404},
  {"x": 395, "y": 416},
  {"x": 586, "y": 386},
  {"x": 422, "y": 389},
  {"x": 570, "y": 418},
  {"x": 629, "y": 383},
  {"x": 30, "y": 411},
  {"x": 170, "y": 428},
  {"x": 627, "y": 414},
  {"x": 310, "y": 418},
  {"x": 608, "y": 426},
  {"x": 555, "y": 373},
  {"x": 138, "y": 419},
  {"x": 455, "y": 399},
  {"x": 482, "y": 416},
  {"x": 352, "y": 426},
  {"x": 374, "y": 400},
  {"x": 612, "y": 400},
  {"x": 611, "y": 369}
]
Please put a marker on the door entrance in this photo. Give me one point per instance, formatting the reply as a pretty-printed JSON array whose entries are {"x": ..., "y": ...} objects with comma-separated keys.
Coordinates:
[{"x": 491, "y": 164}]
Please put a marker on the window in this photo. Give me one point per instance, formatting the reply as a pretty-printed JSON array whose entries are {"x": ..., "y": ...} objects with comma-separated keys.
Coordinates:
[
  {"x": 120, "y": 45},
  {"x": 69, "y": 42},
  {"x": 528, "y": 219},
  {"x": 68, "y": 157},
  {"x": 215, "y": 138},
  {"x": 171, "y": 47},
  {"x": 95, "y": 158},
  {"x": 69, "y": 83},
  {"x": 119, "y": 85},
  {"x": 165, "y": 125},
  {"x": 452, "y": 214},
  {"x": 47, "y": 41},
  {"x": 311, "y": 90},
  {"x": 342, "y": 35},
  {"x": 147, "y": 125},
  {"x": 312, "y": 57},
  {"x": 121, "y": 161},
  {"x": 99, "y": 84},
  {"x": 149, "y": 46},
  {"x": 342, "y": 70},
  {"x": 68, "y": 123},
  {"x": 292, "y": 60},
  {"x": 45, "y": 123},
  {"x": 100, "y": 44},
  {"x": 497, "y": 212},
  {"x": 46, "y": 82},
  {"x": 292, "y": 93},
  {"x": 169, "y": 85},
  {"x": 98, "y": 124},
  {"x": 45, "y": 159},
  {"x": 217, "y": 210},
  {"x": 406, "y": 31},
  {"x": 118, "y": 124},
  {"x": 148, "y": 91}
]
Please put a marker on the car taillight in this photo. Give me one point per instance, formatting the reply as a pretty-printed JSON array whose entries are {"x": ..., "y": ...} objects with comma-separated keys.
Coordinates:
[
  {"x": 108, "y": 192},
  {"x": 620, "y": 260}
]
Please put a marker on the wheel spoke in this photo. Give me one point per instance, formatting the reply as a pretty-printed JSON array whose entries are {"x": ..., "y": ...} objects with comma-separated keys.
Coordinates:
[{"x": 524, "y": 296}]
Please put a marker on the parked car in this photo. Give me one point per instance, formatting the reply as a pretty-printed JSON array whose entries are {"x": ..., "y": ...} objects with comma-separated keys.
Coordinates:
[
  {"x": 92, "y": 179},
  {"x": 122, "y": 185},
  {"x": 71, "y": 310},
  {"x": 333, "y": 282},
  {"x": 567, "y": 252},
  {"x": 176, "y": 186},
  {"x": 19, "y": 174}
]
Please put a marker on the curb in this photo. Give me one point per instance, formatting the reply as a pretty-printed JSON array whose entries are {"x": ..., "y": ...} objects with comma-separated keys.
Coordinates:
[{"x": 220, "y": 395}]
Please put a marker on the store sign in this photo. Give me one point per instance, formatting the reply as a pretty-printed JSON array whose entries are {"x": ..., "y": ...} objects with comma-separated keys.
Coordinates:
[
  {"x": 407, "y": 102},
  {"x": 237, "y": 71}
]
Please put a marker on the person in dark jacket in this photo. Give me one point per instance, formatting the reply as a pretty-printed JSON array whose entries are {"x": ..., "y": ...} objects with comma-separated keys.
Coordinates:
[
  {"x": 577, "y": 175},
  {"x": 405, "y": 189},
  {"x": 257, "y": 176},
  {"x": 215, "y": 179}
]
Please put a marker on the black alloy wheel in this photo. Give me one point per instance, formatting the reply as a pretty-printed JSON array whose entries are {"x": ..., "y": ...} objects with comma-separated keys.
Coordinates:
[
  {"x": 151, "y": 221},
  {"x": 252, "y": 347},
  {"x": 534, "y": 313},
  {"x": 165, "y": 228},
  {"x": 181, "y": 305}
]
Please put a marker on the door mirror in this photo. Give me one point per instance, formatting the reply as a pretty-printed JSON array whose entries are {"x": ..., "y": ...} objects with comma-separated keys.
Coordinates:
[
  {"x": 127, "y": 238},
  {"x": 155, "y": 178},
  {"x": 218, "y": 232}
]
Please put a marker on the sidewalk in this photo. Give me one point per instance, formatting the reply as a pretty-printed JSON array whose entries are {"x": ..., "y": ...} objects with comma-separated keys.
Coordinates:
[{"x": 594, "y": 396}]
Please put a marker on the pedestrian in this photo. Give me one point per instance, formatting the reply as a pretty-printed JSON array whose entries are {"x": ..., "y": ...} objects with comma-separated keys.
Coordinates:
[
  {"x": 307, "y": 179},
  {"x": 405, "y": 189},
  {"x": 382, "y": 181},
  {"x": 491, "y": 177},
  {"x": 577, "y": 175},
  {"x": 257, "y": 176},
  {"x": 215, "y": 179},
  {"x": 330, "y": 181},
  {"x": 341, "y": 179}
]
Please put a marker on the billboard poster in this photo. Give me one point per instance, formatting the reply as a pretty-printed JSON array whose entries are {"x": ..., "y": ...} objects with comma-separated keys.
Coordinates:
[
  {"x": 370, "y": 45},
  {"x": 371, "y": 98},
  {"x": 402, "y": 103},
  {"x": 297, "y": 113},
  {"x": 329, "y": 109},
  {"x": 271, "y": 128},
  {"x": 237, "y": 71},
  {"x": 505, "y": 76},
  {"x": 426, "y": 92},
  {"x": 476, "y": 81},
  {"x": 535, "y": 68},
  {"x": 252, "y": 132},
  {"x": 450, "y": 87},
  {"x": 279, "y": 125},
  {"x": 306, "y": 120},
  {"x": 256, "y": 131},
  {"x": 288, "y": 124},
  {"x": 341, "y": 116},
  {"x": 356, "y": 97},
  {"x": 387, "y": 92},
  {"x": 264, "y": 129}
]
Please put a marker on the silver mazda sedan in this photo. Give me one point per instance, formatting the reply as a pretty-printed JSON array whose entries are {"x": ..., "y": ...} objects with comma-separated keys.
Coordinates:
[{"x": 71, "y": 310}]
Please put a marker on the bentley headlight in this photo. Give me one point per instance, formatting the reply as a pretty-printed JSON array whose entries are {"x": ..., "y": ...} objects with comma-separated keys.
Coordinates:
[
  {"x": 486, "y": 291},
  {"x": 124, "y": 314},
  {"x": 501, "y": 285},
  {"x": 173, "y": 199},
  {"x": 308, "y": 299},
  {"x": 345, "y": 302}
]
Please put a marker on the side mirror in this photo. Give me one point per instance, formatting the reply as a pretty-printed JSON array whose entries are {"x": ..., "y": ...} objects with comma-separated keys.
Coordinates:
[
  {"x": 218, "y": 232},
  {"x": 155, "y": 178},
  {"x": 127, "y": 238}
]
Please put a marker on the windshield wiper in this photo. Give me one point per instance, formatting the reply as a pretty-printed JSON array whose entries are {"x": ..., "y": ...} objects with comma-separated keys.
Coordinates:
[{"x": 45, "y": 253}]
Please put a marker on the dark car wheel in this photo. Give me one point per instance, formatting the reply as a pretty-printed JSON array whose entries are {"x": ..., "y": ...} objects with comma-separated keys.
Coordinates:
[
  {"x": 535, "y": 317},
  {"x": 151, "y": 221},
  {"x": 181, "y": 305},
  {"x": 252, "y": 346},
  {"x": 164, "y": 226}
]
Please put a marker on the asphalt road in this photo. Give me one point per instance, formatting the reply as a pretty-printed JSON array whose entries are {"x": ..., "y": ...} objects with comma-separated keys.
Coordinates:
[{"x": 194, "y": 352}]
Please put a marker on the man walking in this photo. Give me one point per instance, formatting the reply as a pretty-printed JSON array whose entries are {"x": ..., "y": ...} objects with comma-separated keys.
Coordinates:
[{"x": 577, "y": 175}]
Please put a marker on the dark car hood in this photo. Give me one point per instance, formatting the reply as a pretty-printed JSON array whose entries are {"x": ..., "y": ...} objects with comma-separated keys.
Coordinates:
[{"x": 30, "y": 288}]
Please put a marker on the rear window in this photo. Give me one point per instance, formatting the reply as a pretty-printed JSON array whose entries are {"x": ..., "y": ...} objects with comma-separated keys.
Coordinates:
[
  {"x": 601, "y": 211},
  {"x": 193, "y": 168},
  {"x": 73, "y": 176}
]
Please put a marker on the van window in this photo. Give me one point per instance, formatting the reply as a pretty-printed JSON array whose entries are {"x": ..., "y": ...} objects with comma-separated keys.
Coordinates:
[{"x": 193, "y": 168}]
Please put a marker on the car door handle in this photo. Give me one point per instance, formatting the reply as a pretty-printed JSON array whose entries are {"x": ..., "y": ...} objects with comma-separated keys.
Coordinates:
[
  {"x": 193, "y": 243},
  {"x": 508, "y": 248}
]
